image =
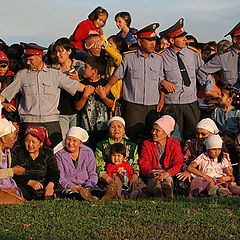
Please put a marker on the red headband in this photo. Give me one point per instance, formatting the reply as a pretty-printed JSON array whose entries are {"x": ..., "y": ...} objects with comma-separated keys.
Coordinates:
[{"x": 39, "y": 132}]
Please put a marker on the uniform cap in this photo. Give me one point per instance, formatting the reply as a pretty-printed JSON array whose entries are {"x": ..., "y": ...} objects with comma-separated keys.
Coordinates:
[
  {"x": 148, "y": 32},
  {"x": 32, "y": 49},
  {"x": 174, "y": 31},
  {"x": 235, "y": 31},
  {"x": 3, "y": 58}
]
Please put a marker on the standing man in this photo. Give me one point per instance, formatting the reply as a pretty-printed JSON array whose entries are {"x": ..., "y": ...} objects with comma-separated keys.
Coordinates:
[
  {"x": 180, "y": 65},
  {"x": 140, "y": 70},
  {"x": 227, "y": 61},
  {"x": 40, "y": 88}
]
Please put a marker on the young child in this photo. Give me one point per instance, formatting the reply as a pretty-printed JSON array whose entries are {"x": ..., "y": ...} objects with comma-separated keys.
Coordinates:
[
  {"x": 93, "y": 103},
  {"x": 96, "y": 20},
  {"x": 123, "y": 21},
  {"x": 213, "y": 168},
  {"x": 227, "y": 119},
  {"x": 121, "y": 169}
]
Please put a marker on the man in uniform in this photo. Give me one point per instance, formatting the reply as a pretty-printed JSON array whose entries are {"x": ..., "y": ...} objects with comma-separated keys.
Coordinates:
[
  {"x": 140, "y": 70},
  {"x": 40, "y": 88},
  {"x": 227, "y": 61},
  {"x": 180, "y": 65}
]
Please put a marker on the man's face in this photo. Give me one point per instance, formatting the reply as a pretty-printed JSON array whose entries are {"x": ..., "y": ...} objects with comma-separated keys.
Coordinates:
[
  {"x": 178, "y": 42},
  {"x": 34, "y": 62},
  {"x": 146, "y": 45},
  {"x": 236, "y": 42},
  {"x": 94, "y": 49}
]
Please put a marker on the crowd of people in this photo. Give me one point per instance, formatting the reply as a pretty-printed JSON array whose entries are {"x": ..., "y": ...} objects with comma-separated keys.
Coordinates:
[{"x": 129, "y": 116}]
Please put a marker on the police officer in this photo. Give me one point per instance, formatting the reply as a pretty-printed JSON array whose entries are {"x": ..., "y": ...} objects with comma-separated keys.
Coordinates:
[
  {"x": 180, "y": 64},
  {"x": 227, "y": 61},
  {"x": 40, "y": 89},
  {"x": 140, "y": 70}
]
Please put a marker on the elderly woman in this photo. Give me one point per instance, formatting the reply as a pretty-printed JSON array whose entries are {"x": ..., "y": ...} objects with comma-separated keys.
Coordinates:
[
  {"x": 116, "y": 126},
  {"x": 161, "y": 158},
  {"x": 194, "y": 148},
  {"x": 77, "y": 165},
  {"x": 40, "y": 180},
  {"x": 8, "y": 136}
]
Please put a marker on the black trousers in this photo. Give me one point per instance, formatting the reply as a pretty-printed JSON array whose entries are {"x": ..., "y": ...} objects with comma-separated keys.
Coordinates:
[
  {"x": 53, "y": 129},
  {"x": 186, "y": 116},
  {"x": 139, "y": 119}
]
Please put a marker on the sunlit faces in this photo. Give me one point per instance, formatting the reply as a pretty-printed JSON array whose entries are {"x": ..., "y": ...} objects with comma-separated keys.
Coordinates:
[
  {"x": 89, "y": 72},
  {"x": 10, "y": 139},
  {"x": 62, "y": 54},
  {"x": 116, "y": 130},
  {"x": 178, "y": 42},
  {"x": 225, "y": 100},
  {"x": 3, "y": 69},
  {"x": 146, "y": 45},
  {"x": 73, "y": 144},
  {"x": 236, "y": 42},
  {"x": 34, "y": 62},
  {"x": 121, "y": 23},
  {"x": 117, "y": 158},
  {"x": 214, "y": 152},
  {"x": 158, "y": 133},
  {"x": 94, "y": 49},
  {"x": 164, "y": 43},
  {"x": 32, "y": 144},
  {"x": 100, "y": 22},
  {"x": 202, "y": 134}
]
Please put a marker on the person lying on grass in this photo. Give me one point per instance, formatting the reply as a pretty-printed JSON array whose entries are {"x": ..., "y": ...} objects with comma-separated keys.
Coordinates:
[
  {"x": 40, "y": 180},
  {"x": 77, "y": 165},
  {"x": 214, "y": 169},
  {"x": 161, "y": 158},
  {"x": 120, "y": 170}
]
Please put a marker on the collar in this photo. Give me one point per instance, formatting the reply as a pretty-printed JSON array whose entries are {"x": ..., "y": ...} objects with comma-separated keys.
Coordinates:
[
  {"x": 174, "y": 52},
  {"x": 139, "y": 54},
  {"x": 44, "y": 68}
]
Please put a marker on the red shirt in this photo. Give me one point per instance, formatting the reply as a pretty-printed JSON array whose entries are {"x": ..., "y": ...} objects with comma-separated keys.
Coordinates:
[
  {"x": 81, "y": 33},
  {"x": 119, "y": 169}
]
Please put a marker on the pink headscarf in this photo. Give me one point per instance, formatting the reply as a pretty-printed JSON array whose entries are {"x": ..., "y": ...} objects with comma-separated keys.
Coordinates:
[{"x": 166, "y": 123}]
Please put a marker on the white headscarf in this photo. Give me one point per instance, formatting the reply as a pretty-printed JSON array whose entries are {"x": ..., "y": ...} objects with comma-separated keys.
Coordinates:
[
  {"x": 6, "y": 127},
  {"x": 213, "y": 141},
  {"x": 209, "y": 125},
  {"x": 76, "y": 132},
  {"x": 116, "y": 118}
]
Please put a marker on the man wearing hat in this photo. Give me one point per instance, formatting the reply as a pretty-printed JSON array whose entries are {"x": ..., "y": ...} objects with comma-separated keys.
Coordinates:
[
  {"x": 227, "y": 61},
  {"x": 180, "y": 65},
  {"x": 140, "y": 70},
  {"x": 40, "y": 88}
]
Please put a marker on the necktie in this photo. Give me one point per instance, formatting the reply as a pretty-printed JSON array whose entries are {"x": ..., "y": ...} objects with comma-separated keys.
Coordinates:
[{"x": 185, "y": 77}]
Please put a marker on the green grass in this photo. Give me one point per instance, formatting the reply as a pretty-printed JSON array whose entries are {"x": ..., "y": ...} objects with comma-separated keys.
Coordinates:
[{"x": 180, "y": 218}]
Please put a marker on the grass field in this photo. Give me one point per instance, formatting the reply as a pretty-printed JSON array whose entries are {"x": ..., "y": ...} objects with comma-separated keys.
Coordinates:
[{"x": 180, "y": 218}]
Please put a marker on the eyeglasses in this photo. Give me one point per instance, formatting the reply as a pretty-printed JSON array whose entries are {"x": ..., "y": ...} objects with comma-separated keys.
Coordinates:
[{"x": 3, "y": 65}]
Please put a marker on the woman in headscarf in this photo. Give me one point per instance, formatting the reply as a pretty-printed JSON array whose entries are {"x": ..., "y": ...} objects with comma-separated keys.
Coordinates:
[
  {"x": 77, "y": 165},
  {"x": 40, "y": 180},
  {"x": 161, "y": 158}
]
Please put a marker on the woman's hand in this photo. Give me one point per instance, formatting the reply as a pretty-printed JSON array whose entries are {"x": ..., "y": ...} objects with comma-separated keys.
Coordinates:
[
  {"x": 9, "y": 107},
  {"x": 36, "y": 185},
  {"x": 184, "y": 175},
  {"x": 223, "y": 179},
  {"x": 73, "y": 75},
  {"x": 75, "y": 188},
  {"x": 133, "y": 181},
  {"x": 18, "y": 170},
  {"x": 160, "y": 176},
  {"x": 49, "y": 190},
  {"x": 210, "y": 179}
]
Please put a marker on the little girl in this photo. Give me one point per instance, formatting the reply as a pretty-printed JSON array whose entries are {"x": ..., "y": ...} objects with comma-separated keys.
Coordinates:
[
  {"x": 120, "y": 170},
  {"x": 93, "y": 25},
  {"x": 123, "y": 21},
  {"x": 213, "y": 168}
]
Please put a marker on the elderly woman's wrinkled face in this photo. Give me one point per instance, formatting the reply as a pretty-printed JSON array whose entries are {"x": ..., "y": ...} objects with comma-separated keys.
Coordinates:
[
  {"x": 32, "y": 143},
  {"x": 202, "y": 134},
  {"x": 73, "y": 144},
  {"x": 116, "y": 130},
  {"x": 158, "y": 133}
]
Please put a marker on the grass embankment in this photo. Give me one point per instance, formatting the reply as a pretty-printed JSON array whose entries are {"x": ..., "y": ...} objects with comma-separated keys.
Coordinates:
[{"x": 180, "y": 218}]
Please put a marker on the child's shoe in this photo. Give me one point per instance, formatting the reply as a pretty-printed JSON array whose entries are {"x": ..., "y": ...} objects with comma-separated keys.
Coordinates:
[
  {"x": 167, "y": 190},
  {"x": 212, "y": 191},
  {"x": 222, "y": 192}
]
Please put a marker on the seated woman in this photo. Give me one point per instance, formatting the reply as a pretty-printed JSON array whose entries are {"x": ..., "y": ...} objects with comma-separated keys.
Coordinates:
[
  {"x": 161, "y": 158},
  {"x": 77, "y": 165},
  {"x": 40, "y": 180},
  {"x": 116, "y": 126}
]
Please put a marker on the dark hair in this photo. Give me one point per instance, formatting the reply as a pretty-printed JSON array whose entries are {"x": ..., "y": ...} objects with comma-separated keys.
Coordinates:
[
  {"x": 195, "y": 41},
  {"x": 66, "y": 44},
  {"x": 120, "y": 43},
  {"x": 94, "y": 14},
  {"x": 220, "y": 156},
  {"x": 126, "y": 16},
  {"x": 212, "y": 45},
  {"x": 97, "y": 63},
  {"x": 118, "y": 148},
  {"x": 205, "y": 51},
  {"x": 233, "y": 93}
]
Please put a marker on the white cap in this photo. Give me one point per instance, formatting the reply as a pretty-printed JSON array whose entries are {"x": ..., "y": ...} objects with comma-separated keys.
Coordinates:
[
  {"x": 6, "y": 127},
  {"x": 213, "y": 141}
]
